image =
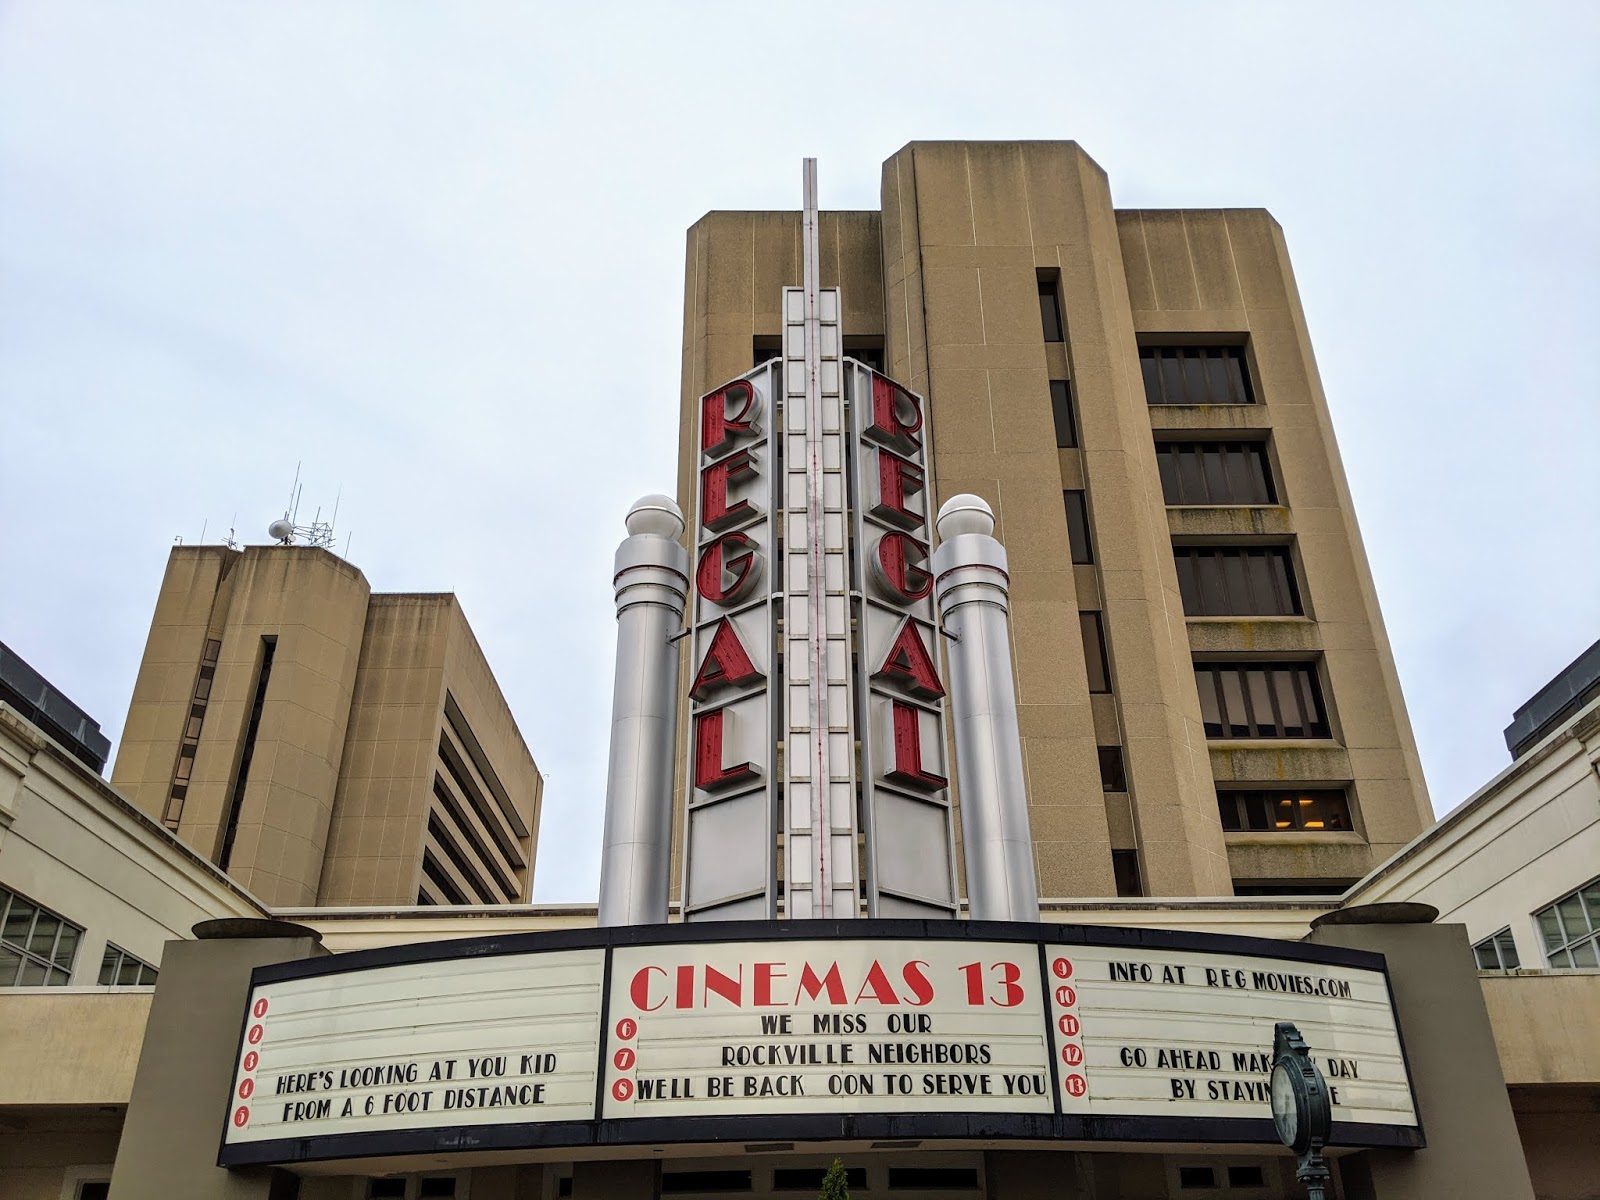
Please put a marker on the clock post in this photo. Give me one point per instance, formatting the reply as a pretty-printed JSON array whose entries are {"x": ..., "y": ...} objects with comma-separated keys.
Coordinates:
[{"x": 1301, "y": 1108}]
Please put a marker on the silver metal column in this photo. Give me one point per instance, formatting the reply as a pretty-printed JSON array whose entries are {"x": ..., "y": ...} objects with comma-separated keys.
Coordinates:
[
  {"x": 652, "y": 583},
  {"x": 971, "y": 587}
]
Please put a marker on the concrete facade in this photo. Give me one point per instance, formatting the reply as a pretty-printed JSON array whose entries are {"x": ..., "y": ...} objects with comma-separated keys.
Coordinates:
[
  {"x": 945, "y": 282},
  {"x": 325, "y": 744}
]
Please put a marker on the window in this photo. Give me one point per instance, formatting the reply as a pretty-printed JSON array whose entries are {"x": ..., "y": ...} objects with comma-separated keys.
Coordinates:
[
  {"x": 172, "y": 813},
  {"x": 809, "y": 1179},
  {"x": 1113, "y": 778},
  {"x": 1196, "y": 1177},
  {"x": 1215, "y": 473},
  {"x": 118, "y": 968},
  {"x": 704, "y": 1181},
  {"x": 933, "y": 1178},
  {"x": 1078, "y": 527},
  {"x": 36, "y": 946},
  {"x": 1061, "y": 410},
  {"x": 764, "y": 348},
  {"x": 435, "y": 874},
  {"x": 1195, "y": 375},
  {"x": 1277, "y": 700},
  {"x": 1224, "y": 581},
  {"x": 1497, "y": 953},
  {"x": 94, "y": 1189},
  {"x": 1315, "y": 811},
  {"x": 1571, "y": 928},
  {"x": 1094, "y": 651},
  {"x": 269, "y": 645},
  {"x": 1050, "y": 310},
  {"x": 385, "y": 1189},
  {"x": 869, "y": 353},
  {"x": 1125, "y": 870},
  {"x": 1246, "y": 1177},
  {"x": 1292, "y": 887}
]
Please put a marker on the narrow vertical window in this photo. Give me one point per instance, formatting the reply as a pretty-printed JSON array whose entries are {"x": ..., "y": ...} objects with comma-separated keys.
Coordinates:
[
  {"x": 1050, "y": 310},
  {"x": 1113, "y": 775},
  {"x": 1061, "y": 410},
  {"x": 1094, "y": 651},
  {"x": 236, "y": 794},
  {"x": 1125, "y": 869},
  {"x": 1078, "y": 527}
]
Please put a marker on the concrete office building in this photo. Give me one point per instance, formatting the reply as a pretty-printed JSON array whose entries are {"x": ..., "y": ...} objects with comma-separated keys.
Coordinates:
[
  {"x": 325, "y": 744},
  {"x": 1209, "y": 704}
]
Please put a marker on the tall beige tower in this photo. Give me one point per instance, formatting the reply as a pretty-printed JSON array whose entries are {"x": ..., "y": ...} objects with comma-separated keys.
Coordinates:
[
  {"x": 325, "y": 744},
  {"x": 1208, "y": 700}
]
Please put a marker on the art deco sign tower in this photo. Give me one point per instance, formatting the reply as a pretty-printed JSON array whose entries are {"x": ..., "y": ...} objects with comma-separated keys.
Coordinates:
[{"x": 817, "y": 785}]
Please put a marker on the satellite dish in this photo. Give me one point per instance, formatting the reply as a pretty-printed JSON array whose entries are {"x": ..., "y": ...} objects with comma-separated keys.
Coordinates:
[{"x": 281, "y": 530}]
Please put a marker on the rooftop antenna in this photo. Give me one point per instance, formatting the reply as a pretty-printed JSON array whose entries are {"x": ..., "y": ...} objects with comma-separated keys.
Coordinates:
[{"x": 286, "y": 532}]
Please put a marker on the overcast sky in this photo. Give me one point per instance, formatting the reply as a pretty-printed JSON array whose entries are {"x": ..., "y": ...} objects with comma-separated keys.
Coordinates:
[{"x": 434, "y": 252}]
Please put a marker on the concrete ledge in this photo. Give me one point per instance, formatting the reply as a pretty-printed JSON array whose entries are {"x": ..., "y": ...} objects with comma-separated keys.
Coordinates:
[
  {"x": 70, "y": 1047},
  {"x": 1544, "y": 1025}
]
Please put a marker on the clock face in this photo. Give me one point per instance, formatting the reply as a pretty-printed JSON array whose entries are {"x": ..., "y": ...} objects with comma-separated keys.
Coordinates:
[{"x": 1285, "y": 1112}]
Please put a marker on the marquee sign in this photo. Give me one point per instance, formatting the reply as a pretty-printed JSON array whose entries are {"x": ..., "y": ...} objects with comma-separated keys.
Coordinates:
[{"x": 833, "y": 1030}]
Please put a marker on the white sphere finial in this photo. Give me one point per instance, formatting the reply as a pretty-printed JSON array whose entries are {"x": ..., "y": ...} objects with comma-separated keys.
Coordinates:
[
  {"x": 965, "y": 513},
  {"x": 656, "y": 514}
]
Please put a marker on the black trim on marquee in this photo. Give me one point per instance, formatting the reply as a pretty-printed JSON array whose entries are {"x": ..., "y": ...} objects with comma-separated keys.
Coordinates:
[{"x": 799, "y": 1127}]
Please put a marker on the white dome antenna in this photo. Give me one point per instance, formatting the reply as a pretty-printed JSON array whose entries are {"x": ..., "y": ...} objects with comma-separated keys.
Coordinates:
[{"x": 287, "y": 532}]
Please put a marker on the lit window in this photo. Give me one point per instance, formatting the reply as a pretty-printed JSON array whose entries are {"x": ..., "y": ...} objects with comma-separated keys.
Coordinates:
[
  {"x": 1571, "y": 928},
  {"x": 118, "y": 968},
  {"x": 1195, "y": 375},
  {"x": 1266, "y": 700},
  {"x": 1319, "y": 811},
  {"x": 1497, "y": 953},
  {"x": 36, "y": 946}
]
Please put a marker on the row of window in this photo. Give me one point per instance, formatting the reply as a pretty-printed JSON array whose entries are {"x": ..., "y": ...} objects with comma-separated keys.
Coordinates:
[
  {"x": 38, "y": 947},
  {"x": 1569, "y": 928},
  {"x": 1296, "y": 810},
  {"x": 189, "y": 744},
  {"x": 1172, "y": 374},
  {"x": 1214, "y": 581},
  {"x": 1237, "y": 700},
  {"x": 1194, "y": 472}
]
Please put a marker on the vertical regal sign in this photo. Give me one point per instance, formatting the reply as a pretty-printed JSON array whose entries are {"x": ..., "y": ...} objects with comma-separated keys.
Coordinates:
[
  {"x": 729, "y": 837},
  {"x": 905, "y": 789},
  {"x": 813, "y": 526}
]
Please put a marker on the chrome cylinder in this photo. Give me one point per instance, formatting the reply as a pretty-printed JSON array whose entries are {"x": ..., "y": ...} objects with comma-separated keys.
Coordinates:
[
  {"x": 652, "y": 586},
  {"x": 971, "y": 589}
]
